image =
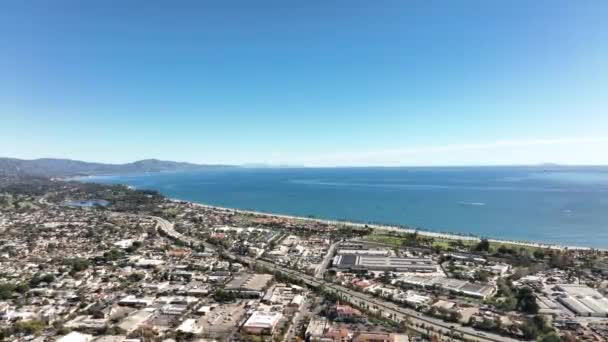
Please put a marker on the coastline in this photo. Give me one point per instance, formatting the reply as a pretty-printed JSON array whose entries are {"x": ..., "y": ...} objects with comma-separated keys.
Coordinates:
[
  {"x": 376, "y": 226},
  {"x": 388, "y": 228}
]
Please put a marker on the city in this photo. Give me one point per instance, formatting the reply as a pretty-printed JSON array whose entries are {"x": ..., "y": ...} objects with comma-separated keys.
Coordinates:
[{"x": 88, "y": 262}]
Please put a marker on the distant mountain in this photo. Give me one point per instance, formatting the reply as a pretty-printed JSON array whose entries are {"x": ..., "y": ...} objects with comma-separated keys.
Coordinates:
[{"x": 49, "y": 167}]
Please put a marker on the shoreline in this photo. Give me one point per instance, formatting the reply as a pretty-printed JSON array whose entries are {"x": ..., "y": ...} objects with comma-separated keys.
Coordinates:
[
  {"x": 389, "y": 228},
  {"x": 376, "y": 226}
]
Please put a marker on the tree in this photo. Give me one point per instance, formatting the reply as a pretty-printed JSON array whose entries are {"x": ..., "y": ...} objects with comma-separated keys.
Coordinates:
[
  {"x": 529, "y": 330},
  {"x": 526, "y": 301},
  {"x": 454, "y": 316},
  {"x": 551, "y": 337},
  {"x": 224, "y": 296},
  {"x": 482, "y": 275},
  {"x": 77, "y": 264},
  {"x": 6, "y": 290},
  {"x": 539, "y": 254},
  {"x": 41, "y": 278},
  {"x": 507, "y": 304},
  {"x": 29, "y": 327},
  {"x": 136, "y": 277},
  {"x": 385, "y": 278},
  {"x": 483, "y": 246}
]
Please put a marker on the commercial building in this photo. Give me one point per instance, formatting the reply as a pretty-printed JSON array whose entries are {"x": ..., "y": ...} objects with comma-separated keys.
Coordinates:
[
  {"x": 249, "y": 284},
  {"x": 190, "y": 326},
  {"x": 75, "y": 336},
  {"x": 134, "y": 320},
  {"x": 316, "y": 328},
  {"x": 136, "y": 301},
  {"x": 583, "y": 300},
  {"x": 262, "y": 322},
  {"x": 378, "y": 263},
  {"x": 372, "y": 252},
  {"x": 454, "y": 285}
]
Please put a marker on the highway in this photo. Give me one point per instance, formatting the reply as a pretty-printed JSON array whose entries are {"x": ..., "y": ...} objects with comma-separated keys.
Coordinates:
[
  {"x": 385, "y": 308},
  {"x": 168, "y": 229}
]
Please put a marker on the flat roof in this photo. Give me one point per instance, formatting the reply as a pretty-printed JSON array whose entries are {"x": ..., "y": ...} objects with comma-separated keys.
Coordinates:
[
  {"x": 262, "y": 319},
  {"x": 368, "y": 261},
  {"x": 584, "y": 300},
  {"x": 249, "y": 281}
]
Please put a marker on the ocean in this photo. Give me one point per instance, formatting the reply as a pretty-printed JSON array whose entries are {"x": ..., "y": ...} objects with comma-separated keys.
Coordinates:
[{"x": 567, "y": 206}]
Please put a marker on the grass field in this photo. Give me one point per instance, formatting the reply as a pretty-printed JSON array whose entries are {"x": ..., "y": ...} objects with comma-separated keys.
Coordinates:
[{"x": 396, "y": 240}]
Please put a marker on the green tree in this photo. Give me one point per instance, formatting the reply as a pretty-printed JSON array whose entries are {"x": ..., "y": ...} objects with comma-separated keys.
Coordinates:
[
  {"x": 32, "y": 327},
  {"x": 483, "y": 246},
  {"x": 7, "y": 290},
  {"x": 526, "y": 301},
  {"x": 551, "y": 337}
]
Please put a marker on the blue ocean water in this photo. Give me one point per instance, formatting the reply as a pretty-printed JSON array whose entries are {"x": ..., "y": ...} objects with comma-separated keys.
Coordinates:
[{"x": 564, "y": 206}]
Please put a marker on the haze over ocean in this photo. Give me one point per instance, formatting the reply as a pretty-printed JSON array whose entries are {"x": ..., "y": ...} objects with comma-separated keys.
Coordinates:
[{"x": 566, "y": 206}]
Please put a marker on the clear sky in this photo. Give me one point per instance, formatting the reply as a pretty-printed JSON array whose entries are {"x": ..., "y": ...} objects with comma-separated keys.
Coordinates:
[{"x": 306, "y": 82}]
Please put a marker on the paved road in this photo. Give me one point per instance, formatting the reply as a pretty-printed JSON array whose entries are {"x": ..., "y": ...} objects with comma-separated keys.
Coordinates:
[
  {"x": 323, "y": 266},
  {"x": 168, "y": 228}
]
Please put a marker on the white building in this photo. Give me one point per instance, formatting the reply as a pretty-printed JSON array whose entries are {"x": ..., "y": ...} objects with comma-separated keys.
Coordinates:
[
  {"x": 190, "y": 326},
  {"x": 75, "y": 336},
  {"x": 583, "y": 300},
  {"x": 262, "y": 322}
]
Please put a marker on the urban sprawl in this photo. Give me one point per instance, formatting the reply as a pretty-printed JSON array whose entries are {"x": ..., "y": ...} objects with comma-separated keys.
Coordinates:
[{"x": 87, "y": 262}]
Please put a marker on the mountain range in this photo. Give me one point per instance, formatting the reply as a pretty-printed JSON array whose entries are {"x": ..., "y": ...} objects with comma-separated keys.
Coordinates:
[{"x": 50, "y": 167}]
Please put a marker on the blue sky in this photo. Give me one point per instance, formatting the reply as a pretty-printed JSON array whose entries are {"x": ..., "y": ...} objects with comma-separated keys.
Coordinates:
[{"x": 310, "y": 82}]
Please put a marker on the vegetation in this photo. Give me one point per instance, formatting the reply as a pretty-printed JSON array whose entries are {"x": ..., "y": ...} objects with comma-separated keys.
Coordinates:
[
  {"x": 32, "y": 327},
  {"x": 526, "y": 301},
  {"x": 483, "y": 246},
  {"x": 6, "y": 290},
  {"x": 41, "y": 278},
  {"x": 77, "y": 264},
  {"x": 222, "y": 296}
]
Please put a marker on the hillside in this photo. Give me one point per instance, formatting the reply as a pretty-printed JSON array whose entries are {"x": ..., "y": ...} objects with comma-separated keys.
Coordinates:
[{"x": 49, "y": 167}]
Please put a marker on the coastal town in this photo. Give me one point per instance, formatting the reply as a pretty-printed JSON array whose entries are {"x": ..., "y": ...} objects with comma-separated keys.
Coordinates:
[{"x": 86, "y": 262}]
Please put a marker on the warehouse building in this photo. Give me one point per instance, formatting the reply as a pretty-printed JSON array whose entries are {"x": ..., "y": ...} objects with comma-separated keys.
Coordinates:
[
  {"x": 583, "y": 300},
  {"x": 373, "y": 252},
  {"x": 262, "y": 323},
  {"x": 379, "y": 263},
  {"x": 462, "y": 287},
  {"x": 248, "y": 284}
]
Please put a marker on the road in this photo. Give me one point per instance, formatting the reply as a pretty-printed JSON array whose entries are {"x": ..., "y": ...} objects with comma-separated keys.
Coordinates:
[
  {"x": 385, "y": 308},
  {"x": 168, "y": 229},
  {"x": 323, "y": 266},
  {"x": 295, "y": 322}
]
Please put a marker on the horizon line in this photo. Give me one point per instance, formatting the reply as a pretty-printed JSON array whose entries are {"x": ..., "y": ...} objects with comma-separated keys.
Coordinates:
[{"x": 288, "y": 166}]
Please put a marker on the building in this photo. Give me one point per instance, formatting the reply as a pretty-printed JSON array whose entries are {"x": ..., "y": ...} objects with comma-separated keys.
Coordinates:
[
  {"x": 248, "y": 284},
  {"x": 75, "y": 336},
  {"x": 346, "y": 312},
  {"x": 415, "y": 299},
  {"x": 262, "y": 323},
  {"x": 136, "y": 302},
  {"x": 380, "y": 337},
  {"x": 190, "y": 326},
  {"x": 379, "y": 263},
  {"x": 583, "y": 300},
  {"x": 316, "y": 328},
  {"x": 134, "y": 320},
  {"x": 371, "y": 252},
  {"x": 297, "y": 301},
  {"x": 457, "y": 286}
]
